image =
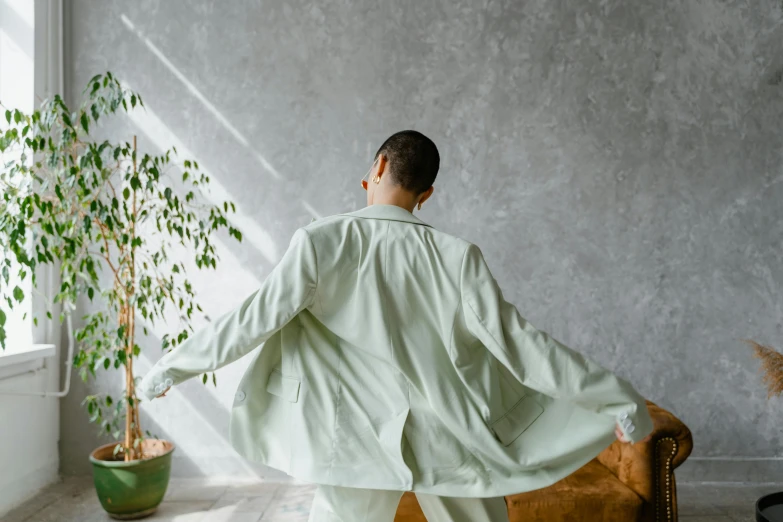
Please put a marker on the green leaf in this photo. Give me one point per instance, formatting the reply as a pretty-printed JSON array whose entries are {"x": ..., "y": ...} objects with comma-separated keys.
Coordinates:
[
  {"x": 18, "y": 294},
  {"x": 126, "y": 192},
  {"x": 8, "y": 116},
  {"x": 17, "y": 116},
  {"x": 2, "y": 318},
  {"x": 85, "y": 122},
  {"x": 106, "y": 363},
  {"x": 204, "y": 378}
]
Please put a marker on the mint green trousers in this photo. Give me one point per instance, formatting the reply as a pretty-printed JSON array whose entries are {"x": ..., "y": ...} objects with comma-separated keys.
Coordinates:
[{"x": 339, "y": 504}]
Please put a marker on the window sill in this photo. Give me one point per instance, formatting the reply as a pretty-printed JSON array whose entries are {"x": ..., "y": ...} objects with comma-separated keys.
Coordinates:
[{"x": 15, "y": 361}]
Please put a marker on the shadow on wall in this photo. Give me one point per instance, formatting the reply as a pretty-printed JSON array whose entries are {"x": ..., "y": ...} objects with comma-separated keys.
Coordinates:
[
  {"x": 158, "y": 132},
  {"x": 192, "y": 415}
]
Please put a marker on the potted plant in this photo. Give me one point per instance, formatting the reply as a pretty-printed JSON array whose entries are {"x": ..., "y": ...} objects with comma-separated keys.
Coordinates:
[
  {"x": 108, "y": 216},
  {"x": 769, "y": 507}
]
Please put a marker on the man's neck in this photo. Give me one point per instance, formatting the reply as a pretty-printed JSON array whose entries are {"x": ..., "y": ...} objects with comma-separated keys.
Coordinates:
[{"x": 398, "y": 199}]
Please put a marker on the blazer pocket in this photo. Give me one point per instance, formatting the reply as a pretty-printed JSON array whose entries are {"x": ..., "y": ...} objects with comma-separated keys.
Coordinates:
[
  {"x": 517, "y": 419},
  {"x": 282, "y": 386}
]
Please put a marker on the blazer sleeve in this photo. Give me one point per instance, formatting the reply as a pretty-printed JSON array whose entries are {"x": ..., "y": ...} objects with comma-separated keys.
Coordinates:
[
  {"x": 540, "y": 362},
  {"x": 288, "y": 289}
]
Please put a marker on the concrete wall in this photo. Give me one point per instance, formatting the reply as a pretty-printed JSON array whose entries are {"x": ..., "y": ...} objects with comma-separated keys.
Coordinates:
[{"x": 618, "y": 163}]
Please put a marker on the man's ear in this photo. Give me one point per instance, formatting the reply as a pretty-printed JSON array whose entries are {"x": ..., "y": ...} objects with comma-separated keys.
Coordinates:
[
  {"x": 426, "y": 194},
  {"x": 382, "y": 163}
]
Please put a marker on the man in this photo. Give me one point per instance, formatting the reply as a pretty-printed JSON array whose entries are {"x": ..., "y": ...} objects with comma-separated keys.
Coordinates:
[{"x": 391, "y": 362}]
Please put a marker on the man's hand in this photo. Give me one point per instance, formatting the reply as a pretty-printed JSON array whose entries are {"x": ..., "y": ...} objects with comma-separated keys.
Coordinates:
[
  {"x": 619, "y": 433},
  {"x": 621, "y": 436}
]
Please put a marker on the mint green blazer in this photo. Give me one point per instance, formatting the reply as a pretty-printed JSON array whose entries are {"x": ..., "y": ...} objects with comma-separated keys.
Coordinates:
[{"x": 386, "y": 357}]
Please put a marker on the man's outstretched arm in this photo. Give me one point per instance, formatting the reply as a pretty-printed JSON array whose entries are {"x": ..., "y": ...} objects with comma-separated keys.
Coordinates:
[
  {"x": 288, "y": 289},
  {"x": 540, "y": 362}
]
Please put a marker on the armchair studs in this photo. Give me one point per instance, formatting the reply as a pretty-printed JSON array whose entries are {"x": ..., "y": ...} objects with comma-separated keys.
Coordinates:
[{"x": 667, "y": 476}]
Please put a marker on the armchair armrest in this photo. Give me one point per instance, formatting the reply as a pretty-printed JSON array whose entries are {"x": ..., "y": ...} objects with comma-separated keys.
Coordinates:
[{"x": 648, "y": 467}]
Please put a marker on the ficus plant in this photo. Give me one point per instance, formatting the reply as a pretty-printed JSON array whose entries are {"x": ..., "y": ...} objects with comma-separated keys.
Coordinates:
[{"x": 108, "y": 217}]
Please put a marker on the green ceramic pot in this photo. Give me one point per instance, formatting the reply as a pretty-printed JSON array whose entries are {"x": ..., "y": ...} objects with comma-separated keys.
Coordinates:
[{"x": 134, "y": 489}]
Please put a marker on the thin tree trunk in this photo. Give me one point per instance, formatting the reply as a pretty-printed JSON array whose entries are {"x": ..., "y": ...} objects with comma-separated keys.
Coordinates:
[
  {"x": 132, "y": 320},
  {"x": 128, "y": 393},
  {"x": 139, "y": 452}
]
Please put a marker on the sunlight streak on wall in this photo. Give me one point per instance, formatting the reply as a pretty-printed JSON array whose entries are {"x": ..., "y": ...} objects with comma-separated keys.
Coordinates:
[
  {"x": 159, "y": 134},
  {"x": 200, "y": 97}
]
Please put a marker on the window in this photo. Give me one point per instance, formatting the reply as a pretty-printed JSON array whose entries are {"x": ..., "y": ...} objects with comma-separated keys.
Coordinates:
[{"x": 17, "y": 90}]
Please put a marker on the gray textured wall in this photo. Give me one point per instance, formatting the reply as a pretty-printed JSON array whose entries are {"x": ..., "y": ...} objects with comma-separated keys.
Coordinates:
[{"x": 619, "y": 163}]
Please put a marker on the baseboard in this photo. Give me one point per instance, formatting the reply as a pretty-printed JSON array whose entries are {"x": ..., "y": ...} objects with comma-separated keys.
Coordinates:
[
  {"x": 20, "y": 489},
  {"x": 730, "y": 469},
  {"x": 231, "y": 469}
]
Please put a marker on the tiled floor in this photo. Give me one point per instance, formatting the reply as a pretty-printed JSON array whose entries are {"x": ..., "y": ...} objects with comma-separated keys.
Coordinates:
[{"x": 74, "y": 500}]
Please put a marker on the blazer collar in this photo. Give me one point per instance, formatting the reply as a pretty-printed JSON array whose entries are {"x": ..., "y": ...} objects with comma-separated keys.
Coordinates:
[{"x": 392, "y": 212}]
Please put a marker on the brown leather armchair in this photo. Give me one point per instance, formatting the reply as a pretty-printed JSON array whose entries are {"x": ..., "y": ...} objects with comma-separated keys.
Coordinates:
[{"x": 625, "y": 483}]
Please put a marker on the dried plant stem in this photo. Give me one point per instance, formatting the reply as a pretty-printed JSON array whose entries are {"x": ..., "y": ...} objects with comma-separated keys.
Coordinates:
[{"x": 771, "y": 365}]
